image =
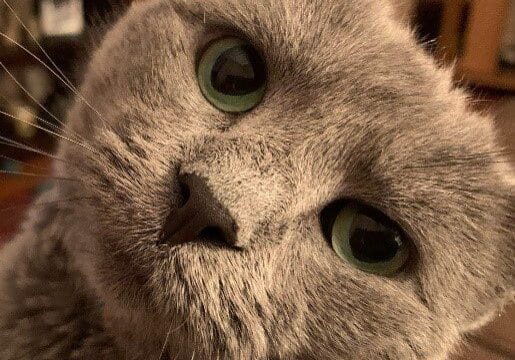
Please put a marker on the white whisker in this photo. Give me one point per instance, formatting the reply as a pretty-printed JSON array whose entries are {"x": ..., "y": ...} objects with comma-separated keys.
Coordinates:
[
  {"x": 61, "y": 76},
  {"x": 17, "y": 145},
  {"x": 163, "y": 349},
  {"x": 30, "y": 95},
  {"x": 170, "y": 331},
  {"x": 64, "y": 80},
  {"x": 73, "y": 141},
  {"x": 68, "y": 82},
  {"x": 48, "y": 123},
  {"x": 38, "y": 59}
]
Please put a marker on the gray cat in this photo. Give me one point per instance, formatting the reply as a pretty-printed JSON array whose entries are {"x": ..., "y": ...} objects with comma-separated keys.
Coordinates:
[{"x": 263, "y": 180}]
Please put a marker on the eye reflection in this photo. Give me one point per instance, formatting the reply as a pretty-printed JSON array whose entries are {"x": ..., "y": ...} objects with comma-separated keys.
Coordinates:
[{"x": 368, "y": 240}]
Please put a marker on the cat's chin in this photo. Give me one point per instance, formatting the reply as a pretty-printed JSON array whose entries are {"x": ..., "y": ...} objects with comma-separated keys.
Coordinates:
[{"x": 146, "y": 334}]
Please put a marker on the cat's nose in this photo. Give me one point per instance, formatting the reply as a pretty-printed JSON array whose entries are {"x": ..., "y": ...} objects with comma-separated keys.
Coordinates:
[{"x": 200, "y": 216}]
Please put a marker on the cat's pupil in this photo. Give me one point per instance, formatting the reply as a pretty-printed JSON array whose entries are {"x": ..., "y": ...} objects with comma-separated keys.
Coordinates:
[
  {"x": 373, "y": 244},
  {"x": 238, "y": 71}
]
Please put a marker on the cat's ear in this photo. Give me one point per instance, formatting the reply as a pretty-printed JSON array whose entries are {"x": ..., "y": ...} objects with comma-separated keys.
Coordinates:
[{"x": 404, "y": 10}]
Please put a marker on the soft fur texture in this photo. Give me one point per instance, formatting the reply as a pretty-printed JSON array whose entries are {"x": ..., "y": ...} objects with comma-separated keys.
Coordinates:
[{"x": 353, "y": 109}]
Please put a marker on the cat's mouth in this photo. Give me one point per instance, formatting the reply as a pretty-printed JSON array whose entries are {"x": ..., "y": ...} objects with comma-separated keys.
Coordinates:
[{"x": 197, "y": 216}]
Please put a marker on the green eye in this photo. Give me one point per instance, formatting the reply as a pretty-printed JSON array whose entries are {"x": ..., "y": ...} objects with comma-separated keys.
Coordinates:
[
  {"x": 369, "y": 241},
  {"x": 232, "y": 75}
]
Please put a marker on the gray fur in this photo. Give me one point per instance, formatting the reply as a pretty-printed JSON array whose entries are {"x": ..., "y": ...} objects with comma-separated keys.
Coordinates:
[{"x": 354, "y": 109}]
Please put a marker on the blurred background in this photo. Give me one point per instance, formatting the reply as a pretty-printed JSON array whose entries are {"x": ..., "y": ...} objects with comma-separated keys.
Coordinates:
[
  {"x": 477, "y": 36},
  {"x": 54, "y": 42}
]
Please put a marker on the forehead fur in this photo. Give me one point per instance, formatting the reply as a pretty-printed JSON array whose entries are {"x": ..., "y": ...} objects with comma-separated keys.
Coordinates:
[{"x": 353, "y": 110}]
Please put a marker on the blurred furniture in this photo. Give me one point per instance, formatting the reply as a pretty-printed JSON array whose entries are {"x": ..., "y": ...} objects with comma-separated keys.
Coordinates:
[
  {"x": 471, "y": 33},
  {"x": 66, "y": 30},
  {"x": 17, "y": 192}
]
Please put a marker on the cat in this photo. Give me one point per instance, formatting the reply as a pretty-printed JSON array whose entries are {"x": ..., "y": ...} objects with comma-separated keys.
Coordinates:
[{"x": 263, "y": 180}]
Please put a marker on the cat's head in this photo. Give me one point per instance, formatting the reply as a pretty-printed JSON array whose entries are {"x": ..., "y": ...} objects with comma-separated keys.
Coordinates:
[{"x": 355, "y": 207}]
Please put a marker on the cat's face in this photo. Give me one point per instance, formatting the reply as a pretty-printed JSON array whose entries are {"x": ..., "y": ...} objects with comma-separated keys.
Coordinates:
[{"x": 352, "y": 110}]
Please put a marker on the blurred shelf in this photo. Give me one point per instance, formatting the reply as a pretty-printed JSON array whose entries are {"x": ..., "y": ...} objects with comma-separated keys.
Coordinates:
[
  {"x": 59, "y": 49},
  {"x": 499, "y": 79},
  {"x": 471, "y": 34},
  {"x": 41, "y": 139}
]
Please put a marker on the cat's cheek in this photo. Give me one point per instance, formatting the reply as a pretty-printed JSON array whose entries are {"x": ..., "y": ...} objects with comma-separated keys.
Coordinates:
[{"x": 365, "y": 314}]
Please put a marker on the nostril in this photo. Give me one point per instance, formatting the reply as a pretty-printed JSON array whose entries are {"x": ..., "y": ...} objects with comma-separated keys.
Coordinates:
[
  {"x": 185, "y": 194},
  {"x": 213, "y": 234},
  {"x": 197, "y": 215}
]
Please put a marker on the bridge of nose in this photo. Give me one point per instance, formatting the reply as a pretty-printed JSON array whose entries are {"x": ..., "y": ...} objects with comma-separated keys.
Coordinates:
[
  {"x": 201, "y": 212},
  {"x": 246, "y": 177}
]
